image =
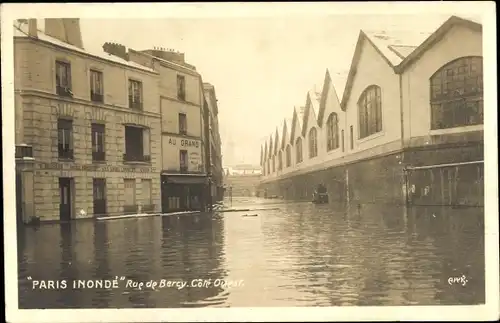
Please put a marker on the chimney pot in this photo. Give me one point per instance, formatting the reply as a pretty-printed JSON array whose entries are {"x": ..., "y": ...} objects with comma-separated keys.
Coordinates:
[{"x": 32, "y": 28}]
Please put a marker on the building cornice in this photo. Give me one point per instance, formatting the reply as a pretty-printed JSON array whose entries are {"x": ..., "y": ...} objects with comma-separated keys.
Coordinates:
[
  {"x": 179, "y": 101},
  {"x": 51, "y": 96}
]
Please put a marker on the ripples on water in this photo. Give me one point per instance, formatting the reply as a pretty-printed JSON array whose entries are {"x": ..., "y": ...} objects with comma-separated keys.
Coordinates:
[{"x": 299, "y": 255}]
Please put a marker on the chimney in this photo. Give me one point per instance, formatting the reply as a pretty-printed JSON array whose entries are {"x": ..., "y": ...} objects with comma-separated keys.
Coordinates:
[
  {"x": 116, "y": 50},
  {"x": 66, "y": 30},
  {"x": 167, "y": 54},
  {"x": 73, "y": 32},
  {"x": 32, "y": 28}
]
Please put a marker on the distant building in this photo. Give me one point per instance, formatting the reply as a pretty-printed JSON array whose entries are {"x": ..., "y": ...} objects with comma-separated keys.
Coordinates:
[
  {"x": 214, "y": 145},
  {"x": 407, "y": 127},
  {"x": 242, "y": 169},
  {"x": 84, "y": 123}
]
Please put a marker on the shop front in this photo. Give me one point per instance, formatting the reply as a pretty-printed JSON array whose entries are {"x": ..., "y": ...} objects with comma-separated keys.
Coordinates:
[{"x": 183, "y": 192}]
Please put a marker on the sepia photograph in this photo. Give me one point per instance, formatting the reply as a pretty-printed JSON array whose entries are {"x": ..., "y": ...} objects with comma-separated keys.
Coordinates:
[{"x": 250, "y": 161}]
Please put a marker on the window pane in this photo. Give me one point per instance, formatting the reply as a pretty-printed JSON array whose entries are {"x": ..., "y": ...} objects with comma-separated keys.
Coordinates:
[{"x": 462, "y": 85}]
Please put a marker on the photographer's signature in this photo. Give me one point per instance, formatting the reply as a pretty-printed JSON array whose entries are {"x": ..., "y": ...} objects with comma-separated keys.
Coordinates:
[{"x": 462, "y": 280}]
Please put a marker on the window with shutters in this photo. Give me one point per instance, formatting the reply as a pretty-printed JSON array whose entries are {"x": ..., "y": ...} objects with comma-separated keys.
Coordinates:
[
  {"x": 98, "y": 153},
  {"x": 181, "y": 87},
  {"x": 130, "y": 196},
  {"x": 65, "y": 138},
  {"x": 182, "y": 124},
  {"x": 183, "y": 161},
  {"x": 96, "y": 86},
  {"x": 135, "y": 94},
  {"x": 63, "y": 79}
]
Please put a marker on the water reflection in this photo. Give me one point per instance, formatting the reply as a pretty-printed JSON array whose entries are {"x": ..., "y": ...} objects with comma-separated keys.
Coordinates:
[{"x": 299, "y": 255}]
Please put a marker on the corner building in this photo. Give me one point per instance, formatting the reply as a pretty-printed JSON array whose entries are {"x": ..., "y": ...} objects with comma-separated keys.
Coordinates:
[
  {"x": 85, "y": 127},
  {"x": 184, "y": 179}
]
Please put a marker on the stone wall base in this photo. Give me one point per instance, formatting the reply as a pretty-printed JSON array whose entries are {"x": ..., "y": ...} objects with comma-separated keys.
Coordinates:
[{"x": 385, "y": 179}]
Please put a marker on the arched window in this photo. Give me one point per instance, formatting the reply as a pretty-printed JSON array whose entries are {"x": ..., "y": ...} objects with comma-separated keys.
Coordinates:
[
  {"x": 370, "y": 111},
  {"x": 298, "y": 150},
  {"x": 268, "y": 166},
  {"x": 313, "y": 143},
  {"x": 280, "y": 161},
  {"x": 288, "y": 156},
  {"x": 274, "y": 164},
  {"x": 332, "y": 132},
  {"x": 457, "y": 94}
]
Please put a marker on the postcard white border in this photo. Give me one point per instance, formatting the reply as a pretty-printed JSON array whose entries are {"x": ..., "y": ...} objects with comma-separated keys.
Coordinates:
[{"x": 10, "y": 12}]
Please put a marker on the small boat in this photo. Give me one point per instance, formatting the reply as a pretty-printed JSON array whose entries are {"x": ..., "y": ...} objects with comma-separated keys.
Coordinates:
[{"x": 320, "y": 195}]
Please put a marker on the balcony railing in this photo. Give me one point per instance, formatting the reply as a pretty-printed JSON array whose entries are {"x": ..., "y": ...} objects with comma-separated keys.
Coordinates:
[
  {"x": 65, "y": 153},
  {"x": 96, "y": 97},
  {"x": 134, "y": 103},
  {"x": 98, "y": 156},
  {"x": 136, "y": 158},
  {"x": 130, "y": 209},
  {"x": 183, "y": 132},
  {"x": 64, "y": 91},
  {"x": 183, "y": 169},
  {"x": 24, "y": 151}
]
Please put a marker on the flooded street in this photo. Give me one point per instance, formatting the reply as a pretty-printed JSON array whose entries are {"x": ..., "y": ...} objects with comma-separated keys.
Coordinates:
[{"x": 298, "y": 255}]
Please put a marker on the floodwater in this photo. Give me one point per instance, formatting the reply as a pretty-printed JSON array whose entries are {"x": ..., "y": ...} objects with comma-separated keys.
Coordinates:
[{"x": 298, "y": 255}]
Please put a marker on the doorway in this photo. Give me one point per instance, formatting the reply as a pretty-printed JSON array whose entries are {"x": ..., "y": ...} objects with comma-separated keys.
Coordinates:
[
  {"x": 66, "y": 203},
  {"x": 99, "y": 185}
]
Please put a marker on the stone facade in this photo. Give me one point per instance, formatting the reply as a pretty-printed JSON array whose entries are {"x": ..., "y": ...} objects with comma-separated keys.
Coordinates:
[
  {"x": 184, "y": 136},
  {"x": 214, "y": 143},
  {"x": 39, "y": 106},
  {"x": 382, "y": 134}
]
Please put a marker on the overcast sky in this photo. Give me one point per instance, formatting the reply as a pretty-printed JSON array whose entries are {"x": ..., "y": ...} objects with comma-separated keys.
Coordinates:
[{"x": 261, "y": 67}]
